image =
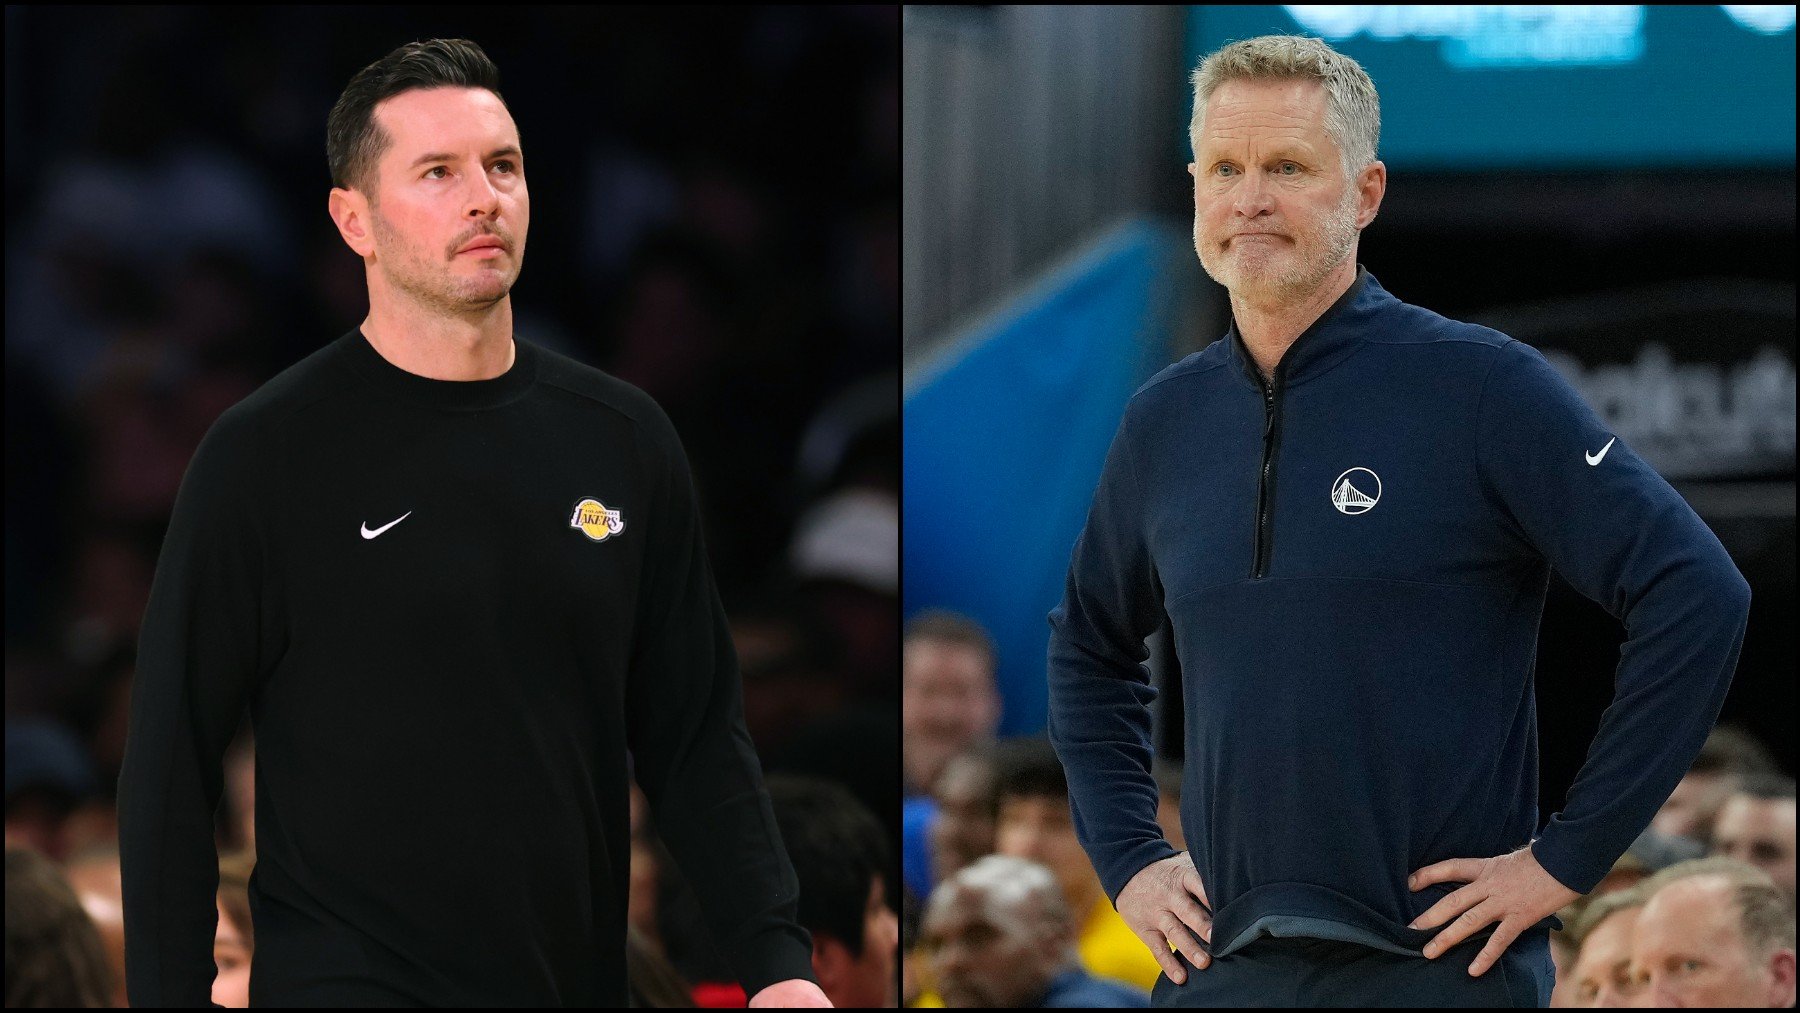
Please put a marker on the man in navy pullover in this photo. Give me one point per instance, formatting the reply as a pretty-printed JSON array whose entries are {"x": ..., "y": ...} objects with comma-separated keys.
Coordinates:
[{"x": 1348, "y": 509}]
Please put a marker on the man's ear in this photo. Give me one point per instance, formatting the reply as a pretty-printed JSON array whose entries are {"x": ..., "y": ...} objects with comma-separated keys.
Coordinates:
[
  {"x": 349, "y": 210},
  {"x": 1371, "y": 187}
]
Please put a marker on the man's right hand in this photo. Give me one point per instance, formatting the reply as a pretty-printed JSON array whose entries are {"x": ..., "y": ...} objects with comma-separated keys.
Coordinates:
[{"x": 1159, "y": 905}]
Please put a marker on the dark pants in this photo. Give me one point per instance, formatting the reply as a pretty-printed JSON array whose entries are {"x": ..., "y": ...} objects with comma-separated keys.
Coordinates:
[{"x": 1301, "y": 971}]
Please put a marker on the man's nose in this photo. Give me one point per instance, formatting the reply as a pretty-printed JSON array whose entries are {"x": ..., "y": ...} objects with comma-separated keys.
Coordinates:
[
  {"x": 1253, "y": 195},
  {"x": 1027, "y": 844},
  {"x": 483, "y": 197}
]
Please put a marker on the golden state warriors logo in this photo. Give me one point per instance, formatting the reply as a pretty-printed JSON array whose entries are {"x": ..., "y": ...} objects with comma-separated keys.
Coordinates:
[
  {"x": 592, "y": 519},
  {"x": 1356, "y": 491}
]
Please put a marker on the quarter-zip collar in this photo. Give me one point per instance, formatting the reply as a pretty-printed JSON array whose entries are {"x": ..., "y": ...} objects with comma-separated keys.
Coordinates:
[{"x": 1331, "y": 338}]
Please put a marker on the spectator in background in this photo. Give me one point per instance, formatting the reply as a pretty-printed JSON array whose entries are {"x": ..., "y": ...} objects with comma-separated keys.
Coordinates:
[
  {"x": 948, "y": 704},
  {"x": 952, "y": 826},
  {"x": 1033, "y": 821},
  {"x": 999, "y": 935},
  {"x": 48, "y": 775},
  {"x": 1756, "y": 826},
  {"x": 1714, "y": 933},
  {"x": 963, "y": 830},
  {"x": 1648, "y": 854},
  {"x": 846, "y": 552},
  {"x": 791, "y": 663},
  {"x": 235, "y": 939},
  {"x": 1599, "y": 976},
  {"x": 841, "y": 856},
  {"x": 93, "y": 874},
  {"x": 54, "y": 957},
  {"x": 948, "y": 700},
  {"x": 1729, "y": 754}
]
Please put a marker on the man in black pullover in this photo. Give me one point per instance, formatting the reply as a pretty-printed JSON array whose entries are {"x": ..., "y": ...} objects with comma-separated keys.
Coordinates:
[{"x": 456, "y": 579}]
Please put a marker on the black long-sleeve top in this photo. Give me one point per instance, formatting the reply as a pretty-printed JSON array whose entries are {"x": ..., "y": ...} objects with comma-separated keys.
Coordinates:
[{"x": 451, "y": 609}]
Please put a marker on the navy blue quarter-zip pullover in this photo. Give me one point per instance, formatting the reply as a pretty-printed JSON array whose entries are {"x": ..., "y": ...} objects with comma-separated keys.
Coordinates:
[{"x": 1353, "y": 558}]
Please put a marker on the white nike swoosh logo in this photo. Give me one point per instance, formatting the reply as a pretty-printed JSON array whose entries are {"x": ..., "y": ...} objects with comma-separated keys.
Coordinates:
[
  {"x": 1594, "y": 459},
  {"x": 371, "y": 534}
]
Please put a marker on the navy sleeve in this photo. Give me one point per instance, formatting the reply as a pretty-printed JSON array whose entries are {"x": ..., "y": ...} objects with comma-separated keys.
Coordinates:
[
  {"x": 1100, "y": 692},
  {"x": 1619, "y": 534}
]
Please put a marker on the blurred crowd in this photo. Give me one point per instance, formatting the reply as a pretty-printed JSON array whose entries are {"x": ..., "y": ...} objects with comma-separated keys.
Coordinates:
[
  {"x": 1003, "y": 908},
  {"x": 717, "y": 223}
]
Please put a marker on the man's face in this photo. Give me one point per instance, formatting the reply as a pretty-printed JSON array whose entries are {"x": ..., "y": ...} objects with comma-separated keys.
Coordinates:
[
  {"x": 1691, "y": 807},
  {"x": 987, "y": 959},
  {"x": 948, "y": 703},
  {"x": 1273, "y": 214},
  {"x": 964, "y": 830},
  {"x": 1687, "y": 952},
  {"x": 430, "y": 208},
  {"x": 1759, "y": 831},
  {"x": 1601, "y": 975},
  {"x": 868, "y": 981},
  {"x": 1039, "y": 827}
]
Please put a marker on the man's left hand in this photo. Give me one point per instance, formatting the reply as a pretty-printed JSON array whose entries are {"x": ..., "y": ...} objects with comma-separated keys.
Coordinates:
[
  {"x": 1511, "y": 889},
  {"x": 794, "y": 993}
]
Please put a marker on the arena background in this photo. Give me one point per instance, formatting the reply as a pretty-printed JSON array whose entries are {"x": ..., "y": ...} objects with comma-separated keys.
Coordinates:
[{"x": 716, "y": 221}]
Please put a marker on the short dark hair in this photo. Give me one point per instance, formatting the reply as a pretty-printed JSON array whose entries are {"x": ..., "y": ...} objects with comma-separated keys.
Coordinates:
[
  {"x": 948, "y": 627},
  {"x": 354, "y": 142},
  {"x": 838, "y": 850},
  {"x": 1028, "y": 767}
]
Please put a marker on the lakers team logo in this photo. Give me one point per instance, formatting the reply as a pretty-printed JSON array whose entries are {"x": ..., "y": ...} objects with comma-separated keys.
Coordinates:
[
  {"x": 1356, "y": 491},
  {"x": 592, "y": 519}
]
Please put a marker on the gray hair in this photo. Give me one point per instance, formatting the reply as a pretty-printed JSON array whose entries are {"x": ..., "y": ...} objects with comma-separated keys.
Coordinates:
[
  {"x": 1604, "y": 907},
  {"x": 1352, "y": 109},
  {"x": 1765, "y": 914},
  {"x": 1008, "y": 885}
]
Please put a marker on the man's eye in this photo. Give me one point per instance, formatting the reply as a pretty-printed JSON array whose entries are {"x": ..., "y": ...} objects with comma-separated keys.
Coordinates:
[
  {"x": 1221, "y": 165},
  {"x": 510, "y": 168},
  {"x": 1690, "y": 965},
  {"x": 1290, "y": 165}
]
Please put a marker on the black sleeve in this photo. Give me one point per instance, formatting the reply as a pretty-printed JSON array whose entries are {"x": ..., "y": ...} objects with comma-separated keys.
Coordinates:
[
  {"x": 692, "y": 754},
  {"x": 198, "y": 654}
]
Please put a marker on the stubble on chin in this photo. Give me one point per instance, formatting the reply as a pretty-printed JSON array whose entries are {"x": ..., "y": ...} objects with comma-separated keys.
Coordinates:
[{"x": 1277, "y": 275}]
